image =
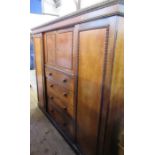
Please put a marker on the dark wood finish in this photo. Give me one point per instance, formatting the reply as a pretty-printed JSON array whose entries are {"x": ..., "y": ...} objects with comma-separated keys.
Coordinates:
[
  {"x": 65, "y": 123},
  {"x": 81, "y": 60},
  {"x": 115, "y": 129}
]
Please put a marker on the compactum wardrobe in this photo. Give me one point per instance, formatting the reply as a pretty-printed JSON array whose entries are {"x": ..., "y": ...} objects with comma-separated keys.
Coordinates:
[{"x": 80, "y": 77}]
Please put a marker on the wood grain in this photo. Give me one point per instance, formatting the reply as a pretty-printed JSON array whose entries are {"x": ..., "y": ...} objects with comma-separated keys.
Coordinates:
[
  {"x": 64, "y": 50},
  {"x": 39, "y": 70},
  {"x": 90, "y": 74},
  {"x": 60, "y": 118},
  {"x": 116, "y": 108},
  {"x": 62, "y": 97},
  {"x": 99, "y": 11},
  {"x": 63, "y": 79},
  {"x": 50, "y": 48},
  {"x": 82, "y": 57}
]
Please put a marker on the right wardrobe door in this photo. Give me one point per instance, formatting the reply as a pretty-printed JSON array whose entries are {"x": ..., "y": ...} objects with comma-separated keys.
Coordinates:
[{"x": 92, "y": 46}]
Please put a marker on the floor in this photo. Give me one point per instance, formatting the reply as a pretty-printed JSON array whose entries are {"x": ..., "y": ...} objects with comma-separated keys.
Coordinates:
[{"x": 45, "y": 139}]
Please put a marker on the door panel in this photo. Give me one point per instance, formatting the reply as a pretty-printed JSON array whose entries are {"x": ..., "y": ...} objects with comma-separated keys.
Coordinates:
[
  {"x": 64, "y": 50},
  {"x": 39, "y": 69},
  {"x": 90, "y": 76},
  {"x": 50, "y": 48}
]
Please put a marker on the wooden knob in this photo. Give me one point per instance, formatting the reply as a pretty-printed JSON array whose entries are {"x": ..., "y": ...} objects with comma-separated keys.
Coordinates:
[
  {"x": 51, "y": 85},
  {"x": 64, "y": 80},
  {"x": 65, "y": 108},
  {"x": 50, "y": 74},
  {"x": 51, "y": 97},
  {"x": 52, "y": 111},
  {"x": 65, "y": 94}
]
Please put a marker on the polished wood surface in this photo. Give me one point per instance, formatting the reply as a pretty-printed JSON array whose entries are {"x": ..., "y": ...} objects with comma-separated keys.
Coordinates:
[
  {"x": 65, "y": 123},
  {"x": 64, "y": 50},
  {"x": 61, "y": 92},
  {"x": 80, "y": 69},
  {"x": 115, "y": 130},
  {"x": 61, "y": 96},
  {"x": 90, "y": 75},
  {"x": 50, "y": 48},
  {"x": 39, "y": 70},
  {"x": 63, "y": 79},
  {"x": 60, "y": 51}
]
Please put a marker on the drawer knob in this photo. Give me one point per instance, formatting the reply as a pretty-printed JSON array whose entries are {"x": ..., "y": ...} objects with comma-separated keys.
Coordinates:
[
  {"x": 64, "y": 80},
  {"x": 51, "y": 85},
  {"x": 50, "y": 74},
  {"x": 52, "y": 111},
  {"x": 65, "y": 94},
  {"x": 64, "y": 108},
  {"x": 51, "y": 97}
]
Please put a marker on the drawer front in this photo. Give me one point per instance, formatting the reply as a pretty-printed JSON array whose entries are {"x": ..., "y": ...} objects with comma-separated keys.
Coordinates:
[
  {"x": 59, "y": 91},
  {"x": 65, "y": 124},
  {"x": 61, "y": 78},
  {"x": 66, "y": 107}
]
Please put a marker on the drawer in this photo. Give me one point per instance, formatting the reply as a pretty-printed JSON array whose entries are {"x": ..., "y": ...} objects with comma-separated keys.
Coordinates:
[
  {"x": 66, "y": 107},
  {"x": 61, "y": 78},
  {"x": 59, "y": 91},
  {"x": 64, "y": 123}
]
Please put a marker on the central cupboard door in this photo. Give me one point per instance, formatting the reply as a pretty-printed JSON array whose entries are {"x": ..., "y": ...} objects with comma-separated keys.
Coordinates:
[
  {"x": 64, "y": 49},
  {"x": 92, "y": 44},
  {"x": 50, "y": 48},
  {"x": 59, "y": 51}
]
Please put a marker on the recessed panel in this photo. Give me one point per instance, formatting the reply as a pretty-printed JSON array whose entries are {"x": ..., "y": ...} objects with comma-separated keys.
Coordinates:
[
  {"x": 50, "y": 43},
  {"x": 64, "y": 51},
  {"x": 90, "y": 78}
]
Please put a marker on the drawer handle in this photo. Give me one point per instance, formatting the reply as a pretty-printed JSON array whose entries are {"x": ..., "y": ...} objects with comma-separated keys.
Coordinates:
[
  {"x": 65, "y": 94},
  {"x": 52, "y": 85},
  {"x": 51, "y": 97},
  {"x": 50, "y": 74},
  {"x": 64, "y": 80}
]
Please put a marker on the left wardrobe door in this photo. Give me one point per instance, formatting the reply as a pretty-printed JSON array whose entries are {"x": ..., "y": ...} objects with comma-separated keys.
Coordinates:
[{"x": 38, "y": 48}]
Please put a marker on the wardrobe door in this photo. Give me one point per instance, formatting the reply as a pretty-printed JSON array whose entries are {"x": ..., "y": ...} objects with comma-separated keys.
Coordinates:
[
  {"x": 39, "y": 69},
  {"x": 92, "y": 46}
]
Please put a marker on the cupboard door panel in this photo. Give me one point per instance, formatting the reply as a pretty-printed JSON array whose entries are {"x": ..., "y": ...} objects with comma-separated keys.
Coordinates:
[
  {"x": 39, "y": 70},
  {"x": 50, "y": 48},
  {"x": 90, "y": 76},
  {"x": 64, "y": 51}
]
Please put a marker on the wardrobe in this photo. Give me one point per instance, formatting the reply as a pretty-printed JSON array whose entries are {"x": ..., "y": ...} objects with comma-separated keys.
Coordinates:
[{"x": 80, "y": 77}]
